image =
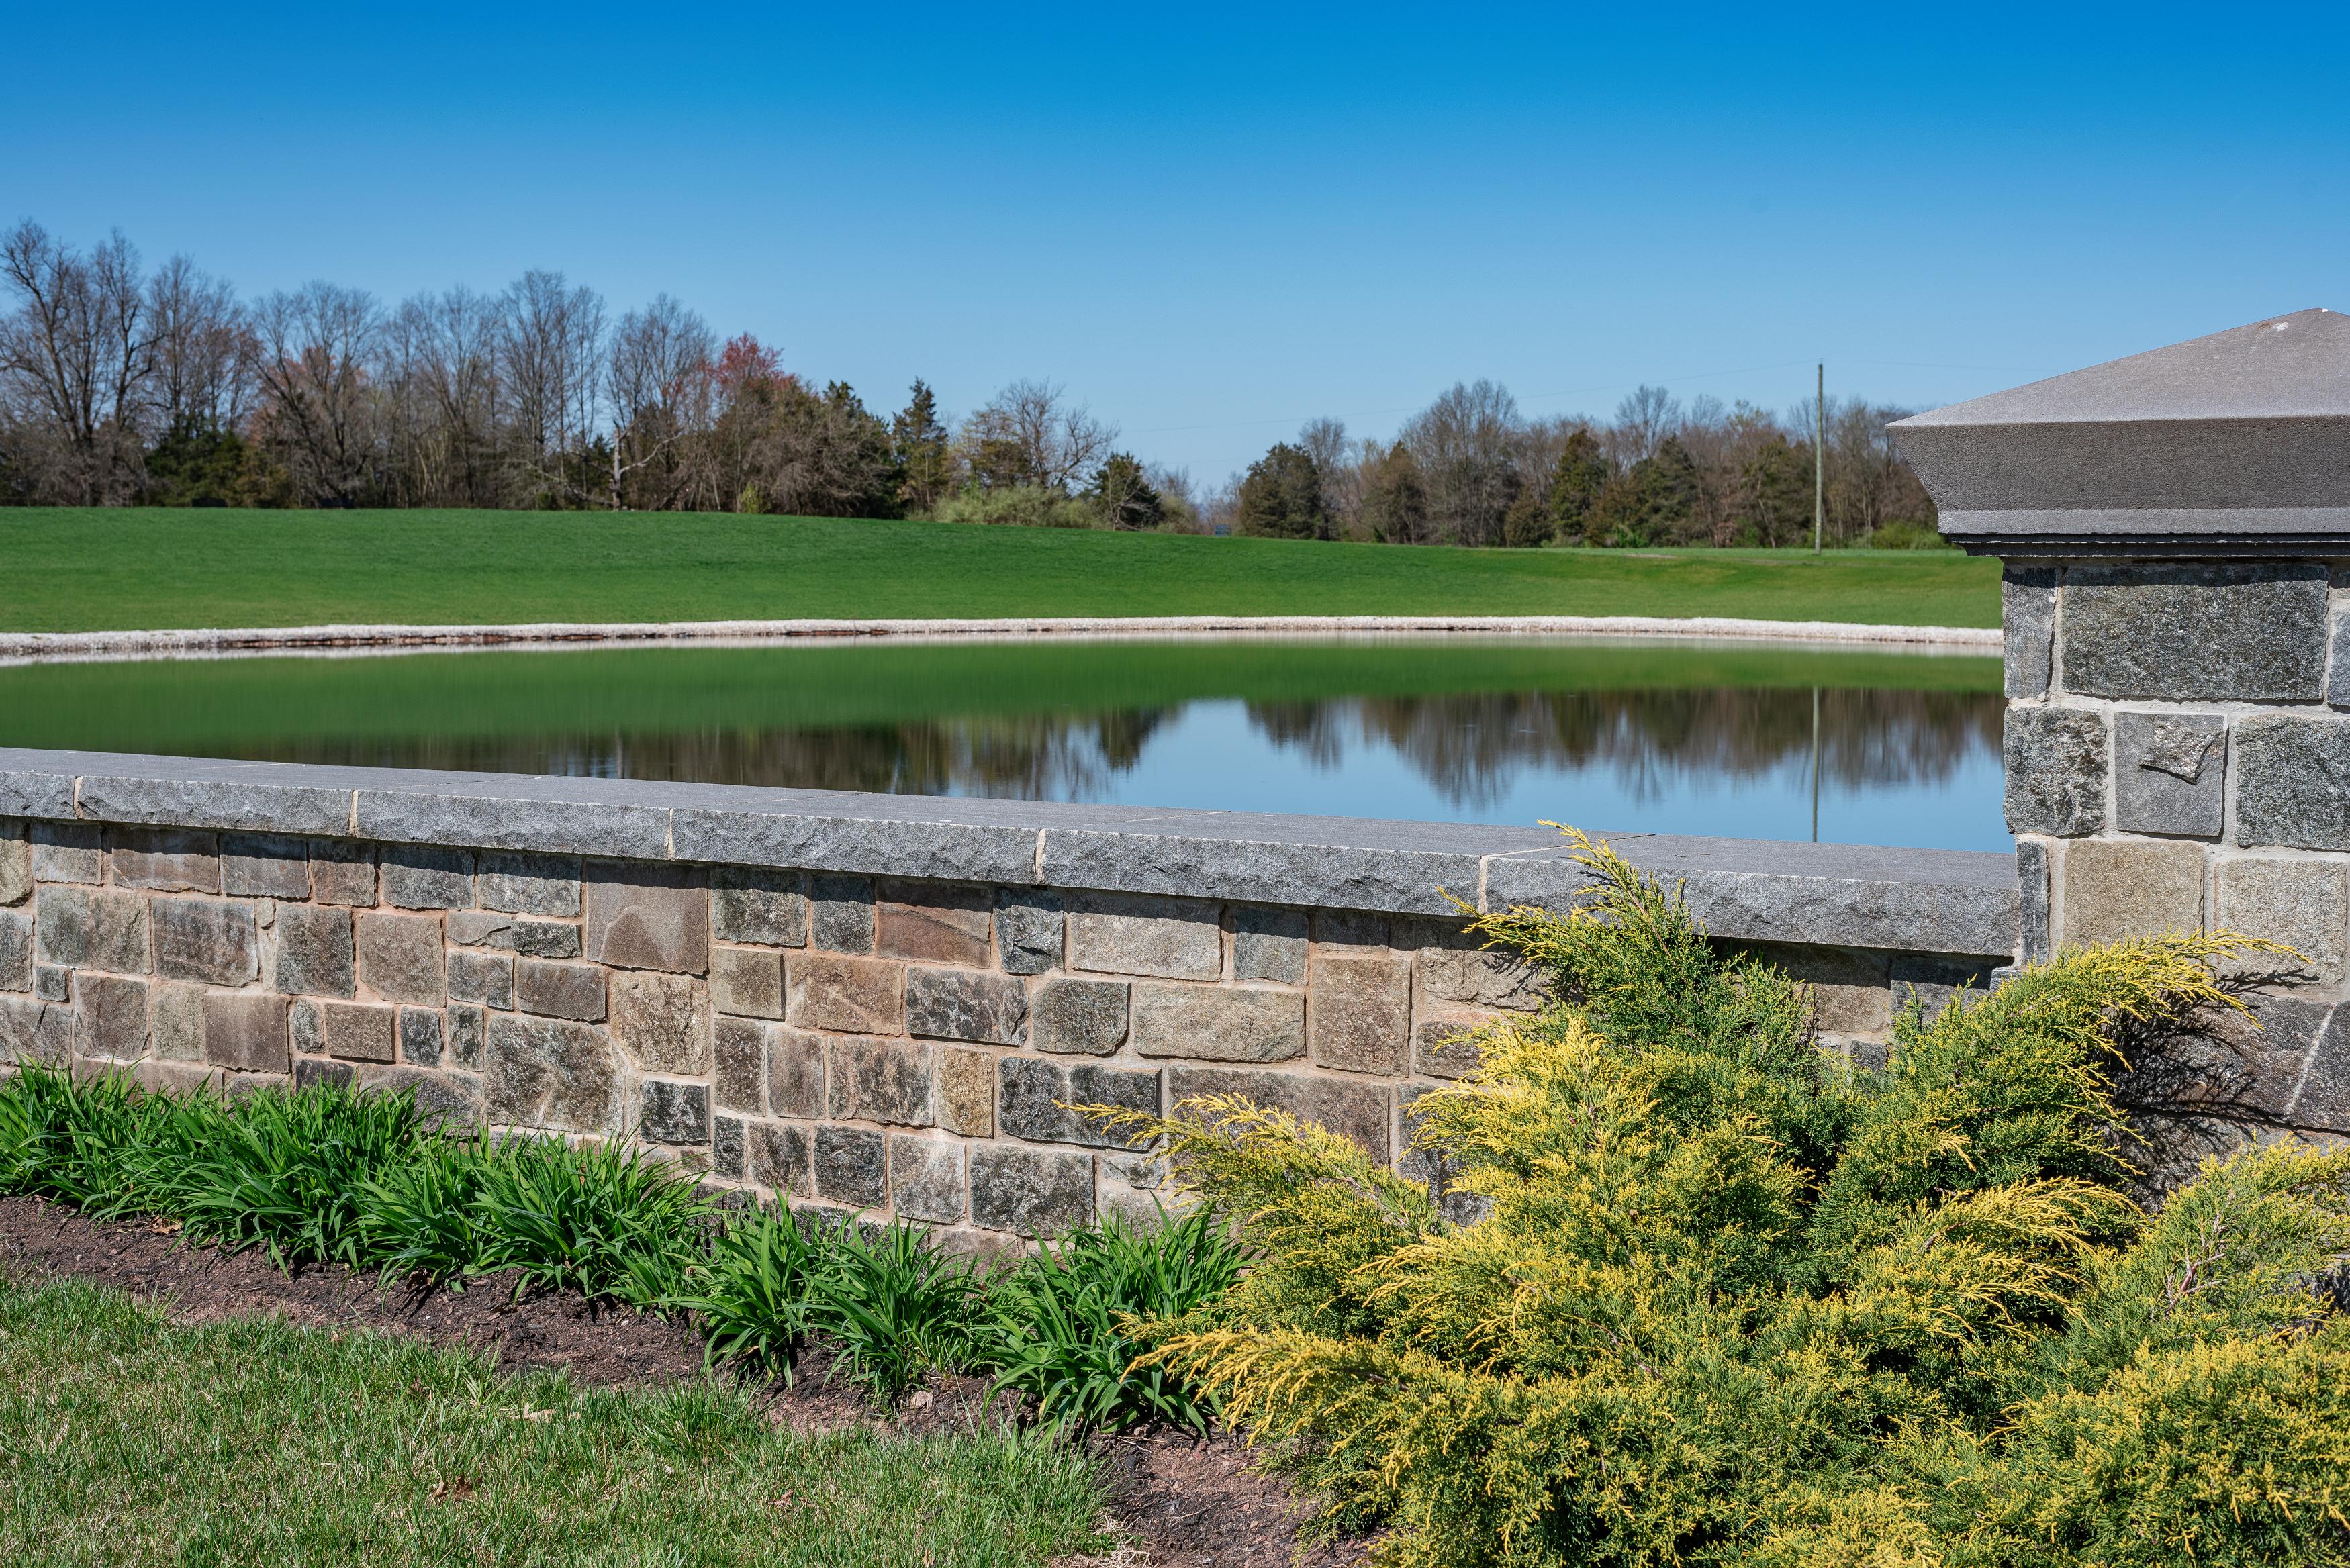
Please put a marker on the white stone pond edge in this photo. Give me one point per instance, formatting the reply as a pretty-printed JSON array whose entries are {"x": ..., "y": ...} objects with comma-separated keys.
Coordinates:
[{"x": 72, "y": 645}]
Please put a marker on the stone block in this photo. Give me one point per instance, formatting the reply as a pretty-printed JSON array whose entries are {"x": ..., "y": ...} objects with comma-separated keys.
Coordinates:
[
  {"x": 2293, "y": 781},
  {"x": 361, "y": 1032},
  {"x": 1269, "y": 944},
  {"x": 1429, "y": 1166},
  {"x": 933, "y": 925},
  {"x": 738, "y": 1074},
  {"x": 2302, "y": 903},
  {"x": 780, "y": 1157},
  {"x": 314, "y": 951},
  {"x": 177, "y": 1029},
  {"x": 534, "y": 939},
  {"x": 966, "y": 1004},
  {"x": 795, "y": 1073},
  {"x": 1353, "y": 929},
  {"x": 647, "y": 917},
  {"x": 485, "y": 978},
  {"x": 420, "y": 1036},
  {"x": 342, "y": 872},
  {"x": 672, "y": 1113},
  {"x": 1034, "y": 1191},
  {"x": 179, "y": 1079},
  {"x": 109, "y": 1014},
  {"x": 850, "y": 995},
  {"x": 15, "y": 952},
  {"x": 2222, "y": 1062},
  {"x": 1219, "y": 1022},
  {"x": 2323, "y": 1103},
  {"x": 1481, "y": 977},
  {"x": 442, "y": 1099},
  {"x": 466, "y": 1032},
  {"x": 1442, "y": 1042},
  {"x": 32, "y": 1030},
  {"x": 2027, "y": 606},
  {"x": 726, "y": 1150},
  {"x": 1035, "y": 1099},
  {"x": 751, "y": 904},
  {"x": 1129, "y": 934},
  {"x": 840, "y": 916},
  {"x": 663, "y": 1020},
  {"x": 2055, "y": 763},
  {"x": 211, "y": 939},
  {"x": 310, "y": 1072},
  {"x": 2033, "y": 931},
  {"x": 747, "y": 982},
  {"x": 926, "y": 1178},
  {"x": 15, "y": 864},
  {"x": 2116, "y": 888},
  {"x": 306, "y": 1031},
  {"x": 1029, "y": 931},
  {"x": 68, "y": 852},
  {"x": 400, "y": 958},
  {"x": 552, "y": 1072},
  {"x": 52, "y": 982},
  {"x": 2168, "y": 773},
  {"x": 166, "y": 860},
  {"x": 264, "y": 866},
  {"x": 528, "y": 884},
  {"x": 851, "y": 1166},
  {"x": 560, "y": 989},
  {"x": 878, "y": 1081},
  {"x": 966, "y": 1097},
  {"x": 426, "y": 876},
  {"x": 1135, "y": 1188},
  {"x": 1081, "y": 1017},
  {"x": 2252, "y": 633},
  {"x": 1938, "y": 979},
  {"x": 1358, "y": 1013},
  {"x": 1851, "y": 987},
  {"x": 88, "y": 928},
  {"x": 1352, "y": 1109}
]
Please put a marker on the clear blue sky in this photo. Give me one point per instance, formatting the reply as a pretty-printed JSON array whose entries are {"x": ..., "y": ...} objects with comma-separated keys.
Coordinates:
[{"x": 1213, "y": 223}]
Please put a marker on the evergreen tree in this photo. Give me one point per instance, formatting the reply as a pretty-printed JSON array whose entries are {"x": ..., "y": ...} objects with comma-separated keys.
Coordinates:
[
  {"x": 1282, "y": 496},
  {"x": 1124, "y": 494},
  {"x": 922, "y": 445},
  {"x": 1582, "y": 471}
]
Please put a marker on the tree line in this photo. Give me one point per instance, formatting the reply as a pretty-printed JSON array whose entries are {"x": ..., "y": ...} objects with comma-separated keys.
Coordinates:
[{"x": 125, "y": 385}]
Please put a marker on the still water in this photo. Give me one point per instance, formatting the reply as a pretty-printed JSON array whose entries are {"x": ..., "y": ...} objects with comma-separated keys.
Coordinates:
[{"x": 1740, "y": 739}]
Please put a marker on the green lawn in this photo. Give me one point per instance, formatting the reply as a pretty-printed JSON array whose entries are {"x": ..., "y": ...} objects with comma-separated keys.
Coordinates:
[
  {"x": 68, "y": 570},
  {"x": 127, "y": 1440}
]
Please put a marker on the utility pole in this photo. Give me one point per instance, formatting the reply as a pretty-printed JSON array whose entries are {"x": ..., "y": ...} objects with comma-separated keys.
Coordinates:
[{"x": 1820, "y": 460}]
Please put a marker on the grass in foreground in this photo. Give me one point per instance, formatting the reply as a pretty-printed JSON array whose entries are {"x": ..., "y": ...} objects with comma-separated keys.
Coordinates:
[
  {"x": 131, "y": 1440},
  {"x": 79, "y": 569}
]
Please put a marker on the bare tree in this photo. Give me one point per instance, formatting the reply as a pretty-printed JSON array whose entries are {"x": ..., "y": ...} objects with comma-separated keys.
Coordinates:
[
  {"x": 660, "y": 382},
  {"x": 1643, "y": 419},
  {"x": 553, "y": 347},
  {"x": 315, "y": 345},
  {"x": 202, "y": 356},
  {"x": 1053, "y": 442},
  {"x": 442, "y": 386},
  {"x": 76, "y": 355},
  {"x": 1466, "y": 446},
  {"x": 1325, "y": 441}
]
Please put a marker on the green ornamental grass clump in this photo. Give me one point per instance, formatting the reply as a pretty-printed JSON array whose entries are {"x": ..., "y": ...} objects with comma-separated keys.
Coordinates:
[{"x": 1731, "y": 1302}]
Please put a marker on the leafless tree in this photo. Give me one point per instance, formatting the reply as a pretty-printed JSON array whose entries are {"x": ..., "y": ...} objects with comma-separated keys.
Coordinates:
[
  {"x": 76, "y": 355},
  {"x": 442, "y": 385},
  {"x": 316, "y": 345},
  {"x": 1466, "y": 444},
  {"x": 202, "y": 376},
  {"x": 660, "y": 385},
  {"x": 1325, "y": 441},
  {"x": 553, "y": 349},
  {"x": 1643, "y": 419},
  {"x": 1057, "y": 442}
]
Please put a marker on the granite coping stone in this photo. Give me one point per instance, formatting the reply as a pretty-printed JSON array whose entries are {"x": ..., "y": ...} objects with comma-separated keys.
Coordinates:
[{"x": 1907, "y": 899}]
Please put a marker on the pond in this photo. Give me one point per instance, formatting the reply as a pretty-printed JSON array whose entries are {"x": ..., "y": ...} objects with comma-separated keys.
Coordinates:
[{"x": 1742, "y": 740}]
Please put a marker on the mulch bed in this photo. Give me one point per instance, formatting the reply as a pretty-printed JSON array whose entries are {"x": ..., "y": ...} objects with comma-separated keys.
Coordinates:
[{"x": 1190, "y": 1502}]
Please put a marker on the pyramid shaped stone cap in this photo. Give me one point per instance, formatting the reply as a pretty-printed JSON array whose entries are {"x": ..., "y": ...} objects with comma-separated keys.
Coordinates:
[{"x": 2235, "y": 444}]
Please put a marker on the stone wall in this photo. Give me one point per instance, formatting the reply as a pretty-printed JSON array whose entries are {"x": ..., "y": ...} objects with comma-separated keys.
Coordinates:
[{"x": 801, "y": 1014}]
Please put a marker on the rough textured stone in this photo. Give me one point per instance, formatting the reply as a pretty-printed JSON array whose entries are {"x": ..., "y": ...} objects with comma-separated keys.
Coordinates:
[
  {"x": 1481, "y": 978},
  {"x": 2116, "y": 887},
  {"x": 34, "y": 1031},
  {"x": 1936, "y": 980},
  {"x": 312, "y": 1072},
  {"x": 1029, "y": 928},
  {"x": 109, "y": 1017},
  {"x": 2250, "y": 633},
  {"x": 1351, "y": 1109},
  {"x": 2033, "y": 933},
  {"x": 1034, "y": 1191},
  {"x": 485, "y": 978},
  {"x": 672, "y": 1113},
  {"x": 1851, "y": 987},
  {"x": 178, "y": 1026},
  {"x": 933, "y": 925},
  {"x": 467, "y": 1032},
  {"x": 245, "y": 1031},
  {"x": 361, "y": 1032},
  {"x": 400, "y": 958},
  {"x": 15, "y": 952},
  {"x": 647, "y": 917},
  {"x": 926, "y": 1178},
  {"x": 2323, "y": 1103},
  {"x": 1440, "y": 1047},
  {"x": 2337, "y": 679},
  {"x": 442, "y": 1099},
  {"x": 342, "y": 871},
  {"x": 852, "y": 1166},
  {"x": 264, "y": 866},
  {"x": 560, "y": 989},
  {"x": 2220, "y": 1061},
  {"x": 1269, "y": 944},
  {"x": 532, "y": 939},
  {"x": 85, "y": 928},
  {"x": 1218, "y": 1023},
  {"x": 841, "y": 914},
  {"x": 2056, "y": 762},
  {"x": 314, "y": 951},
  {"x": 1358, "y": 1013},
  {"x": 795, "y": 1073},
  {"x": 52, "y": 982},
  {"x": 1351, "y": 929},
  {"x": 738, "y": 1074},
  {"x": 2027, "y": 604},
  {"x": 878, "y": 1081},
  {"x": 306, "y": 1030},
  {"x": 748, "y": 981},
  {"x": 552, "y": 1072},
  {"x": 166, "y": 860},
  {"x": 726, "y": 1148},
  {"x": 211, "y": 939},
  {"x": 68, "y": 852},
  {"x": 966, "y": 1004},
  {"x": 1033, "y": 1096},
  {"x": 1122, "y": 934},
  {"x": 1081, "y": 1017},
  {"x": 663, "y": 1020},
  {"x": 1134, "y": 1186},
  {"x": 966, "y": 1097},
  {"x": 420, "y": 1036},
  {"x": 426, "y": 876},
  {"x": 751, "y": 904},
  {"x": 528, "y": 884},
  {"x": 2304, "y": 904},
  {"x": 1429, "y": 1166},
  {"x": 779, "y": 1156},
  {"x": 2293, "y": 781},
  {"x": 15, "y": 864},
  {"x": 851, "y": 996},
  {"x": 2168, "y": 773}
]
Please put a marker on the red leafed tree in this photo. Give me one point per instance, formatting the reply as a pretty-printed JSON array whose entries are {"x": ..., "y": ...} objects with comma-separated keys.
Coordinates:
[{"x": 746, "y": 365}]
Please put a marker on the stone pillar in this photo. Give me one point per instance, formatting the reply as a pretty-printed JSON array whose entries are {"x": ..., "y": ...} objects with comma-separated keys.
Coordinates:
[{"x": 2175, "y": 530}]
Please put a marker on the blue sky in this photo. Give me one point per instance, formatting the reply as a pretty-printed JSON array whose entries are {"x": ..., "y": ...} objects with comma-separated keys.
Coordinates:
[{"x": 1213, "y": 223}]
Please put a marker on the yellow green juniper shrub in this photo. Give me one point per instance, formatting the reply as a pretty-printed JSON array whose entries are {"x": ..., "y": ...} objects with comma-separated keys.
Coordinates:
[{"x": 1732, "y": 1302}]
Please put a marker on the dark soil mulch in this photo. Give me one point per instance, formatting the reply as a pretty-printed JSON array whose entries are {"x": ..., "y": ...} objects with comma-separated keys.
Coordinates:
[{"x": 1191, "y": 1502}]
